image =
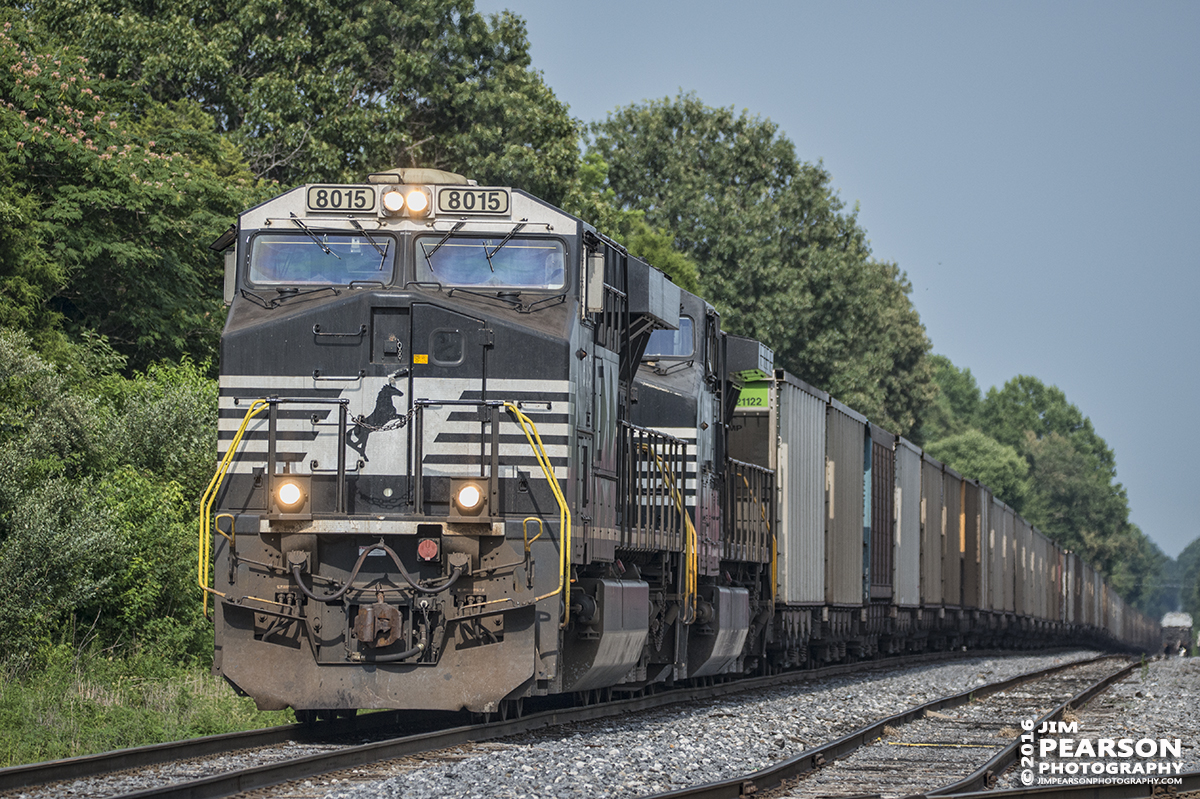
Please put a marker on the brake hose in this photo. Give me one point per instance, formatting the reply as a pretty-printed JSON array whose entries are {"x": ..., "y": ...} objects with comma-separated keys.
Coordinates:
[{"x": 434, "y": 589}]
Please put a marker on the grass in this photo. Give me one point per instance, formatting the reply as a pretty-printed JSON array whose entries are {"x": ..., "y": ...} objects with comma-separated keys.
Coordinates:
[{"x": 78, "y": 703}]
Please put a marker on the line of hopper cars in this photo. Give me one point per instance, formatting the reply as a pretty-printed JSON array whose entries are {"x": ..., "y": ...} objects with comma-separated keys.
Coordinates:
[
  {"x": 473, "y": 452},
  {"x": 922, "y": 556}
]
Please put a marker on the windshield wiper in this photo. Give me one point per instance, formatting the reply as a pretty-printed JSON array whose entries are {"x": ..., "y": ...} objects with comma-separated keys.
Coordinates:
[
  {"x": 511, "y": 299},
  {"x": 285, "y": 293},
  {"x": 429, "y": 253},
  {"x": 503, "y": 241},
  {"x": 314, "y": 236},
  {"x": 381, "y": 250}
]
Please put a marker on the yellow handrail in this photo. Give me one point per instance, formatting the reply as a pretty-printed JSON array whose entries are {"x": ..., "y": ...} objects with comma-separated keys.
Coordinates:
[
  {"x": 204, "y": 553},
  {"x": 564, "y": 513},
  {"x": 691, "y": 571}
]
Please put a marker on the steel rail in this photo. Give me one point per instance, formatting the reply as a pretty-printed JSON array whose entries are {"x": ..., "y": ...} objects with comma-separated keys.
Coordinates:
[
  {"x": 75, "y": 768},
  {"x": 812, "y": 759},
  {"x": 985, "y": 776}
]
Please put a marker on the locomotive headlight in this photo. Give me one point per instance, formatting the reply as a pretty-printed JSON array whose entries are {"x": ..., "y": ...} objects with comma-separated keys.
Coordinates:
[
  {"x": 417, "y": 201},
  {"x": 289, "y": 494},
  {"x": 392, "y": 201},
  {"x": 469, "y": 497}
]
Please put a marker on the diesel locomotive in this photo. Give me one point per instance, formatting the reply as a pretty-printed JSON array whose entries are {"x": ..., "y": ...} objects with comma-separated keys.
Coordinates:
[{"x": 473, "y": 451}]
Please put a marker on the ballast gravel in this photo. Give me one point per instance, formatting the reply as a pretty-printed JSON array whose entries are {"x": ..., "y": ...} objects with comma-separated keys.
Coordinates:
[{"x": 695, "y": 743}]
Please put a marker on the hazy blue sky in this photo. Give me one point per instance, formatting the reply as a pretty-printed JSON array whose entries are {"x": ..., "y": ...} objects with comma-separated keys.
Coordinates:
[{"x": 1033, "y": 167}]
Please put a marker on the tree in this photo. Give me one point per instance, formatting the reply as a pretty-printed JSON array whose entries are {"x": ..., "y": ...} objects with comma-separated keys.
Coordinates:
[
  {"x": 1071, "y": 499},
  {"x": 776, "y": 253},
  {"x": 973, "y": 454},
  {"x": 1072, "y": 493},
  {"x": 1194, "y": 607},
  {"x": 1074, "y": 500},
  {"x": 1027, "y": 405},
  {"x": 1188, "y": 579},
  {"x": 956, "y": 408},
  {"x": 116, "y": 196},
  {"x": 331, "y": 90},
  {"x": 98, "y": 480},
  {"x": 1136, "y": 570}
]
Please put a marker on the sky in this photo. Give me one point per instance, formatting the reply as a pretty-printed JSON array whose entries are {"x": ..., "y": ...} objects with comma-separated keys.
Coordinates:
[{"x": 1033, "y": 167}]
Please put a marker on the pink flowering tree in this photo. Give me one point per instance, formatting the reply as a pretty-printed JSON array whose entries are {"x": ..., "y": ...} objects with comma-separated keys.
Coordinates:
[{"x": 107, "y": 202}]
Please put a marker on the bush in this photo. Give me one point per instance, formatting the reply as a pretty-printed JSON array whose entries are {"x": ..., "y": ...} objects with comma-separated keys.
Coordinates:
[{"x": 99, "y": 480}]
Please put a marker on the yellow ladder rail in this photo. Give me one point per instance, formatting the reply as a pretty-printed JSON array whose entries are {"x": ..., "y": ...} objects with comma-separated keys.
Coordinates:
[
  {"x": 691, "y": 574},
  {"x": 564, "y": 513},
  {"x": 204, "y": 549}
]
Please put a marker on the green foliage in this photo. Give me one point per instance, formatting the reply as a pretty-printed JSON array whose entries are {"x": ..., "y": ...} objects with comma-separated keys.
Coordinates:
[
  {"x": 331, "y": 90},
  {"x": 956, "y": 408},
  {"x": 46, "y": 431},
  {"x": 56, "y": 564},
  {"x": 776, "y": 252},
  {"x": 1187, "y": 576},
  {"x": 98, "y": 479},
  {"x": 1026, "y": 405},
  {"x": 83, "y": 700},
  {"x": 658, "y": 248},
  {"x": 113, "y": 196},
  {"x": 1001, "y": 468},
  {"x": 1073, "y": 501},
  {"x": 165, "y": 419},
  {"x": 1137, "y": 570},
  {"x": 1194, "y": 601},
  {"x": 1074, "y": 497}
]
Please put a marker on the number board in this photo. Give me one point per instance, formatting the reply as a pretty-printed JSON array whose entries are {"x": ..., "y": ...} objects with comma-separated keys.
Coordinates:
[
  {"x": 340, "y": 199},
  {"x": 468, "y": 200},
  {"x": 754, "y": 395}
]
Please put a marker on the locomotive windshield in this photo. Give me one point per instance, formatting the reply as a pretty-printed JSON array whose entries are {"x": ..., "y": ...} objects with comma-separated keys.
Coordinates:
[
  {"x": 671, "y": 343},
  {"x": 520, "y": 263},
  {"x": 321, "y": 258}
]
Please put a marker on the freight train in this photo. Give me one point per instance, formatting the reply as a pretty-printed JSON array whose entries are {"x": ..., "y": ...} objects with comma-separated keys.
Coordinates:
[{"x": 473, "y": 451}]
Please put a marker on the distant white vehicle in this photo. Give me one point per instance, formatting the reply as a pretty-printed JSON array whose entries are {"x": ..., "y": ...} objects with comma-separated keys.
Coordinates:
[{"x": 1177, "y": 633}]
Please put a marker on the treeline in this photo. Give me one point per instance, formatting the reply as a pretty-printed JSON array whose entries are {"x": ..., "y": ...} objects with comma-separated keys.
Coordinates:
[{"x": 133, "y": 132}]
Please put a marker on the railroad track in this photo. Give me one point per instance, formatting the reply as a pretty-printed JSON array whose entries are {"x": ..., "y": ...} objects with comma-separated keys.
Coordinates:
[
  {"x": 954, "y": 746},
  {"x": 296, "y": 752}
]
